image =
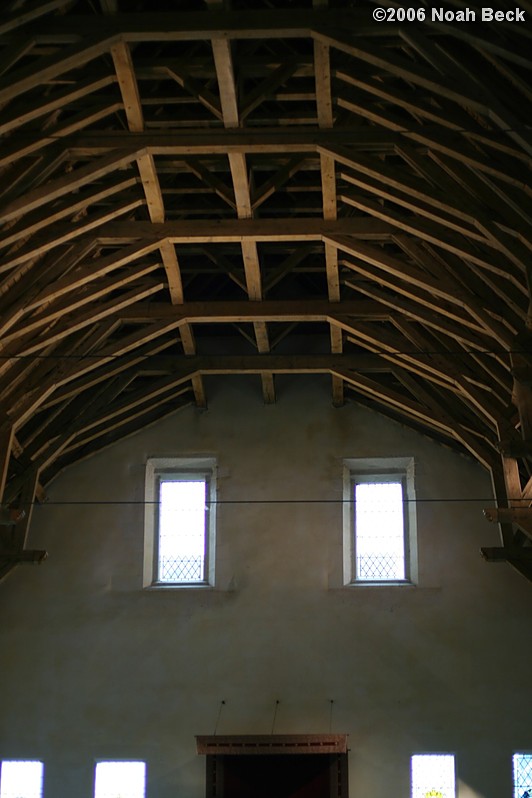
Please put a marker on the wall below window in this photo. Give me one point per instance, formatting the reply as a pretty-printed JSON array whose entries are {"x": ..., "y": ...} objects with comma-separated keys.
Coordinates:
[{"x": 93, "y": 667}]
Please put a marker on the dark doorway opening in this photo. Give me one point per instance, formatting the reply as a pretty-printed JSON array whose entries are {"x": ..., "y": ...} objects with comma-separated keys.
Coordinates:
[{"x": 306, "y": 766}]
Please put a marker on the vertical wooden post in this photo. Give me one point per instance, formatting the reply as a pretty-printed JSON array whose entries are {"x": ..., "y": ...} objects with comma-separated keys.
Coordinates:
[
  {"x": 26, "y": 503},
  {"x": 14, "y": 539},
  {"x": 6, "y": 443}
]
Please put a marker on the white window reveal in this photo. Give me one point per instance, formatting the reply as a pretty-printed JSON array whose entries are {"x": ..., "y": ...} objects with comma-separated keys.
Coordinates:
[
  {"x": 21, "y": 778},
  {"x": 180, "y": 517},
  {"x": 433, "y": 776},
  {"x": 522, "y": 772},
  {"x": 379, "y": 521},
  {"x": 120, "y": 780}
]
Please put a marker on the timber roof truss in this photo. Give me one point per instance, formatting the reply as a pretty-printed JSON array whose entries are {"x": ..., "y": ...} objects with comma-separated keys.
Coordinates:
[{"x": 263, "y": 187}]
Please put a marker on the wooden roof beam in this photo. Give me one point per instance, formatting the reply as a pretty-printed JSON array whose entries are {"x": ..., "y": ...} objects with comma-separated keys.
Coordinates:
[
  {"x": 237, "y": 163},
  {"x": 324, "y": 104}
]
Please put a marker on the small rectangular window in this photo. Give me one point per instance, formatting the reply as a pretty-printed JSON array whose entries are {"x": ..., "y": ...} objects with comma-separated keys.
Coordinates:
[
  {"x": 379, "y": 521},
  {"x": 182, "y": 528},
  {"x": 522, "y": 767},
  {"x": 180, "y": 505},
  {"x": 21, "y": 778},
  {"x": 433, "y": 776},
  {"x": 380, "y": 545},
  {"x": 120, "y": 780}
]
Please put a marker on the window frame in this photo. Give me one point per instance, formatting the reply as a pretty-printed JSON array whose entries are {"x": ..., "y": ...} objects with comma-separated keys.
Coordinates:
[
  {"x": 379, "y": 470},
  {"x": 120, "y": 762},
  {"x": 421, "y": 754},
  {"x": 515, "y": 756},
  {"x": 20, "y": 761},
  {"x": 178, "y": 469}
]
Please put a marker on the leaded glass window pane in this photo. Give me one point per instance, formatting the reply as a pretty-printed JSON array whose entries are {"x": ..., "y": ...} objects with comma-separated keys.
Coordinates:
[
  {"x": 120, "y": 780},
  {"x": 182, "y": 530},
  {"x": 379, "y": 531},
  {"x": 21, "y": 779},
  {"x": 433, "y": 776},
  {"x": 522, "y": 775}
]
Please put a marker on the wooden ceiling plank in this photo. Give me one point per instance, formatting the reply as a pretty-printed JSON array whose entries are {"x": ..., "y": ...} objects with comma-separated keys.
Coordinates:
[
  {"x": 440, "y": 236},
  {"x": 381, "y": 89},
  {"x": 22, "y": 145},
  {"x": 454, "y": 145},
  {"x": 466, "y": 298},
  {"x": 105, "y": 364},
  {"x": 21, "y": 113},
  {"x": 47, "y": 218},
  {"x": 397, "y": 351},
  {"x": 73, "y": 302},
  {"x": 93, "y": 271},
  {"x": 426, "y": 208},
  {"x": 69, "y": 232},
  {"x": 102, "y": 311},
  {"x": 79, "y": 414},
  {"x": 394, "y": 399},
  {"x": 22, "y": 285},
  {"x": 459, "y": 372},
  {"x": 49, "y": 67},
  {"x": 53, "y": 363},
  {"x": 440, "y": 412},
  {"x": 32, "y": 11},
  {"x": 66, "y": 185},
  {"x": 418, "y": 192},
  {"x": 431, "y": 318},
  {"x": 397, "y": 267},
  {"x": 127, "y": 426},
  {"x": 468, "y": 182},
  {"x": 103, "y": 431},
  {"x": 417, "y": 74}
]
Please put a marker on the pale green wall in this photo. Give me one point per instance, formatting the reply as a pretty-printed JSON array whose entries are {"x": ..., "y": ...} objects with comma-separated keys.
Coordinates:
[{"x": 93, "y": 667}]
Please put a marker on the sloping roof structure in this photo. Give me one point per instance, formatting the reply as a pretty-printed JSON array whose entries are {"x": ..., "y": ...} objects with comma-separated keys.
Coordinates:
[{"x": 264, "y": 186}]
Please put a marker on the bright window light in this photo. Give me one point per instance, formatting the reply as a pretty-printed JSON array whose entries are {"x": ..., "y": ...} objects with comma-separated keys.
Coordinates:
[
  {"x": 522, "y": 775},
  {"x": 433, "y": 776},
  {"x": 21, "y": 779},
  {"x": 120, "y": 780},
  {"x": 379, "y": 531},
  {"x": 182, "y": 530}
]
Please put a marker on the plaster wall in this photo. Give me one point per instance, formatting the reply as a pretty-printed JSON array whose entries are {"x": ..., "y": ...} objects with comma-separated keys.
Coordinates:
[{"x": 94, "y": 667}]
